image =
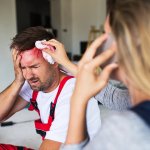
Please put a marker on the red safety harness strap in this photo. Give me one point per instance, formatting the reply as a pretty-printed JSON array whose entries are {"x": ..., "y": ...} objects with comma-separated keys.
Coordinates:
[
  {"x": 41, "y": 128},
  {"x": 61, "y": 87},
  {"x": 33, "y": 103}
]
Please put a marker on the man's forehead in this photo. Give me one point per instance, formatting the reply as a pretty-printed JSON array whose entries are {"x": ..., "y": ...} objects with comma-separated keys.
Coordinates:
[
  {"x": 29, "y": 57},
  {"x": 34, "y": 52}
]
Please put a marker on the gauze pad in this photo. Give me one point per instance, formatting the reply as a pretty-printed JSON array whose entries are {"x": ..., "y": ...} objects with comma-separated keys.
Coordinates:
[{"x": 39, "y": 45}]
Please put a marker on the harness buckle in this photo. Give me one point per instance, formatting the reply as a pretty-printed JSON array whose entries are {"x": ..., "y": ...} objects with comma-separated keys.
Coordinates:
[
  {"x": 52, "y": 110},
  {"x": 34, "y": 103}
]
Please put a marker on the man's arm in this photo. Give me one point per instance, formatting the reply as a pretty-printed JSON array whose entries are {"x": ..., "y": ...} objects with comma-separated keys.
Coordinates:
[
  {"x": 50, "y": 145},
  {"x": 10, "y": 102},
  {"x": 9, "y": 99},
  {"x": 19, "y": 105}
]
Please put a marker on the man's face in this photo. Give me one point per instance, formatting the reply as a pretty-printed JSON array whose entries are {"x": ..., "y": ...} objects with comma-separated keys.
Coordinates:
[{"x": 37, "y": 71}]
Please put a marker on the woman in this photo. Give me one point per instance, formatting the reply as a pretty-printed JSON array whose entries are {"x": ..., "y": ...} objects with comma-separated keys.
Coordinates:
[{"x": 130, "y": 24}]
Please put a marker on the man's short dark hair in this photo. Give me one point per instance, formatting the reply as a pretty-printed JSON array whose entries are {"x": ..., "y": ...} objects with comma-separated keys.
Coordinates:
[{"x": 27, "y": 38}]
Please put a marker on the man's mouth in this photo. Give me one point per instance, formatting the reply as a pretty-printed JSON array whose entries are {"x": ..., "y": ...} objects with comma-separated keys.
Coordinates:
[{"x": 34, "y": 81}]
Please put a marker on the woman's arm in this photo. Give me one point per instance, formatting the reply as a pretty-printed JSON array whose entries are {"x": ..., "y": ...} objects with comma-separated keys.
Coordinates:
[
  {"x": 111, "y": 96},
  {"x": 88, "y": 83}
]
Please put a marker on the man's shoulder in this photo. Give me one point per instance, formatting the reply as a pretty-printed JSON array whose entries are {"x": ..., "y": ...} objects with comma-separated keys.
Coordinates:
[
  {"x": 71, "y": 80},
  {"x": 26, "y": 86},
  {"x": 69, "y": 85},
  {"x": 26, "y": 91},
  {"x": 66, "y": 92}
]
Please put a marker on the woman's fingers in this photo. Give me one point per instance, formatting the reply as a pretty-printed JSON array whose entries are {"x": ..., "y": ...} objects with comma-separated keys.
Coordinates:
[
  {"x": 105, "y": 74},
  {"x": 93, "y": 68},
  {"x": 52, "y": 42},
  {"x": 103, "y": 57},
  {"x": 91, "y": 50}
]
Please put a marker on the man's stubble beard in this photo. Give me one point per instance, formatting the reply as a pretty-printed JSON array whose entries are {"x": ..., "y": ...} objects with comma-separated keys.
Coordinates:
[{"x": 43, "y": 86}]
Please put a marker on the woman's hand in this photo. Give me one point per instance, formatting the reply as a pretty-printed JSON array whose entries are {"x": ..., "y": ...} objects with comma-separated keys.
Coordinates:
[
  {"x": 16, "y": 61},
  {"x": 89, "y": 82},
  {"x": 60, "y": 55},
  {"x": 90, "y": 79}
]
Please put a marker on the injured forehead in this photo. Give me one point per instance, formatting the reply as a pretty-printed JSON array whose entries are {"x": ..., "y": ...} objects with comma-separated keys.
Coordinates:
[{"x": 30, "y": 55}]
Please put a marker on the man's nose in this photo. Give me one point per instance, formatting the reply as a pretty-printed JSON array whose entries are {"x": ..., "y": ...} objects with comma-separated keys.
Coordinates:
[{"x": 28, "y": 74}]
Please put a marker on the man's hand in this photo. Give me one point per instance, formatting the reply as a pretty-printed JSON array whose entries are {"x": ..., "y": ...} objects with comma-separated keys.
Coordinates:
[
  {"x": 10, "y": 102},
  {"x": 50, "y": 145},
  {"x": 16, "y": 61}
]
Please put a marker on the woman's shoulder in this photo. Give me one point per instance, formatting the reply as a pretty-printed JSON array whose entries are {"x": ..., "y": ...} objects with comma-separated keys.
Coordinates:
[
  {"x": 126, "y": 119},
  {"x": 127, "y": 124},
  {"x": 123, "y": 130}
]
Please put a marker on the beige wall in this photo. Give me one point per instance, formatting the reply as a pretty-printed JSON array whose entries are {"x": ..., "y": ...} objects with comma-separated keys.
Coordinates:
[
  {"x": 85, "y": 14},
  {"x": 7, "y": 31},
  {"x": 79, "y": 16}
]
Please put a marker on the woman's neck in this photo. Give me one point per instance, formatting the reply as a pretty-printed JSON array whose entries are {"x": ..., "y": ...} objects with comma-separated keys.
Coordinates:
[{"x": 137, "y": 96}]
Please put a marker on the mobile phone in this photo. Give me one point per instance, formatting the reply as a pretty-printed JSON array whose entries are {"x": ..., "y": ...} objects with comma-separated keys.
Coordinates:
[{"x": 104, "y": 46}]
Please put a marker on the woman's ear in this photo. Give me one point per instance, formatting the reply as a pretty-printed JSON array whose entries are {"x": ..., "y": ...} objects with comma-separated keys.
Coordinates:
[{"x": 107, "y": 27}]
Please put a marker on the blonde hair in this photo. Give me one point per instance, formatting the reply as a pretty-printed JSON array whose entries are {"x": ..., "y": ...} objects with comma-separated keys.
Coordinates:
[{"x": 130, "y": 22}]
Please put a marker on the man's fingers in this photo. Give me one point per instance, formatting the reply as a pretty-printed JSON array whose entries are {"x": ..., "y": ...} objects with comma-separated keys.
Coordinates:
[
  {"x": 16, "y": 57},
  {"x": 14, "y": 54}
]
